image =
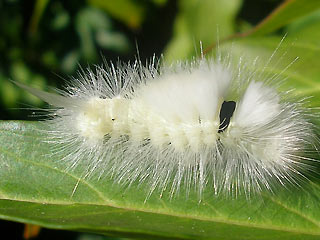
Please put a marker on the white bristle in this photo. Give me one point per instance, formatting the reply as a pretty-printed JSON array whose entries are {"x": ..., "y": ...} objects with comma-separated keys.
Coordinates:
[{"x": 162, "y": 126}]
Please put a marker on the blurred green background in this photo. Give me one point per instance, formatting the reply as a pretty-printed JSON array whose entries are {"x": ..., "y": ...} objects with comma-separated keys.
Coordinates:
[{"x": 43, "y": 42}]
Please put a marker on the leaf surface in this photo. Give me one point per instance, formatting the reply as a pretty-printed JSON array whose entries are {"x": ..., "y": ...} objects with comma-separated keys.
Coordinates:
[{"x": 36, "y": 188}]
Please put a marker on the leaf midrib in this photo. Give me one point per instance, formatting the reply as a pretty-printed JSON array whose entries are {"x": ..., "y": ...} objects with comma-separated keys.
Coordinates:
[
  {"x": 104, "y": 229},
  {"x": 241, "y": 224}
]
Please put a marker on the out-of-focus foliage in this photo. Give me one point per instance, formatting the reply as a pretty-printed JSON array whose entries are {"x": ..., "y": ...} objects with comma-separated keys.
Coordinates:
[
  {"x": 53, "y": 39},
  {"x": 205, "y": 22},
  {"x": 286, "y": 14},
  {"x": 130, "y": 12},
  {"x": 43, "y": 39}
]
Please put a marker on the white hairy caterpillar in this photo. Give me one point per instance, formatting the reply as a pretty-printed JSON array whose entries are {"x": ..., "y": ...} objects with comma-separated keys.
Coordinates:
[{"x": 200, "y": 124}]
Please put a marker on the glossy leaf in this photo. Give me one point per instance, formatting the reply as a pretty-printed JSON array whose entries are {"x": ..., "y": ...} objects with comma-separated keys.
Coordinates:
[{"x": 35, "y": 188}]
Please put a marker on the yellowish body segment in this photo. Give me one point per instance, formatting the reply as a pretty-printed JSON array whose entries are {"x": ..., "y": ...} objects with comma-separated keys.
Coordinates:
[{"x": 120, "y": 116}]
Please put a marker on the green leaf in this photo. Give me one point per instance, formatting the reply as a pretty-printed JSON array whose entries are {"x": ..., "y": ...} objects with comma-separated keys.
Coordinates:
[
  {"x": 36, "y": 188},
  {"x": 294, "y": 14},
  {"x": 306, "y": 29},
  {"x": 286, "y": 13},
  {"x": 295, "y": 60},
  {"x": 197, "y": 21},
  {"x": 130, "y": 12},
  {"x": 38, "y": 12}
]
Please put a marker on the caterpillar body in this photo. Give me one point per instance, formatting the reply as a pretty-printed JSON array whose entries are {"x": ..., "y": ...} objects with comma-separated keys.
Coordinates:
[{"x": 199, "y": 125}]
